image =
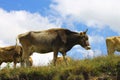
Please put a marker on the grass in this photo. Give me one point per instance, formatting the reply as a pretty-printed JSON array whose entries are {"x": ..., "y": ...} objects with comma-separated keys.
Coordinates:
[{"x": 103, "y": 66}]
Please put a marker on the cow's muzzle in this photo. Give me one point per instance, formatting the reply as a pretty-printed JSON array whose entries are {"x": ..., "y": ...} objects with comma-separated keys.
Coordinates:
[{"x": 88, "y": 47}]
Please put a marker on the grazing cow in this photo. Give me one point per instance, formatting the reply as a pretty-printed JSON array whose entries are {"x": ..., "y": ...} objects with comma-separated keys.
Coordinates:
[
  {"x": 12, "y": 54},
  {"x": 56, "y": 40},
  {"x": 113, "y": 44}
]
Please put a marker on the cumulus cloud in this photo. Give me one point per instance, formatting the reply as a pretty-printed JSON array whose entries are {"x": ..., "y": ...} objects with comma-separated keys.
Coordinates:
[
  {"x": 2, "y": 44},
  {"x": 42, "y": 59},
  {"x": 81, "y": 53},
  {"x": 93, "y": 13},
  {"x": 96, "y": 39},
  {"x": 15, "y": 22}
]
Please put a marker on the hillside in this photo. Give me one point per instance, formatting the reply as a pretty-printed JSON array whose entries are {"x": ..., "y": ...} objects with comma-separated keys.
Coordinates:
[{"x": 99, "y": 68}]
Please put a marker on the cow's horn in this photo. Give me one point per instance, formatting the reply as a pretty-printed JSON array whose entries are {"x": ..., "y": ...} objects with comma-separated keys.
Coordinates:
[{"x": 86, "y": 30}]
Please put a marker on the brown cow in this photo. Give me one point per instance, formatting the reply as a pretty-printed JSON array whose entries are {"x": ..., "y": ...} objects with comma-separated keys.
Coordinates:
[
  {"x": 11, "y": 54},
  {"x": 113, "y": 44},
  {"x": 56, "y": 40}
]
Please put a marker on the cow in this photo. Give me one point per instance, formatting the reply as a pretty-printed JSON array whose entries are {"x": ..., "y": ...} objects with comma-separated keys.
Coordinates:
[
  {"x": 113, "y": 44},
  {"x": 52, "y": 40},
  {"x": 12, "y": 54}
]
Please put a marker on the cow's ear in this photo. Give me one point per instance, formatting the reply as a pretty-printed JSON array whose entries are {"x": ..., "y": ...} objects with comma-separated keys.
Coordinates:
[
  {"x": 63, "y": 36},
  {"x": 82, "y": 33}
]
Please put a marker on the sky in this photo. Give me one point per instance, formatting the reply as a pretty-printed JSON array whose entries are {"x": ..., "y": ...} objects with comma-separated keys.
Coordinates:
[{"x": 100, "y": 17}]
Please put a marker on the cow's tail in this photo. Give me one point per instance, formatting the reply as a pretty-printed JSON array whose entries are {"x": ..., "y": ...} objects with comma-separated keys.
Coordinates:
[
  {"x": 17, "y": 42},
  {"x": 19, "y": 49}
]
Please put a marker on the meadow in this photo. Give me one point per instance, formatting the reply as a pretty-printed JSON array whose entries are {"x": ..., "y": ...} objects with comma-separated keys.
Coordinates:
[{"x": 98, "y": 68}]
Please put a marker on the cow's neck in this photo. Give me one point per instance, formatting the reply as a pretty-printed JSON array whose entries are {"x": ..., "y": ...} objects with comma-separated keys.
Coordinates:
[{"x": 72, "y": 41}]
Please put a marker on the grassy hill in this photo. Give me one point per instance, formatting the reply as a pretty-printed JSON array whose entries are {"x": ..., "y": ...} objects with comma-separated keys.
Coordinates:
[{"x": 99, "y": 68}]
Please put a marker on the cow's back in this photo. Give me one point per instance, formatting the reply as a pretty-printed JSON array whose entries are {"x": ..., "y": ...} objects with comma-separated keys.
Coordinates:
[
  {"x": 43, "y": 37},
  {"x": 42, "y": 41}
]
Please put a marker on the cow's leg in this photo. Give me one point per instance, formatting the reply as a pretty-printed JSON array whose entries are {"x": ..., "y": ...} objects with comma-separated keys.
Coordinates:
[
  {"x": 27, "y": 61},
  {"x": 110, "y": 47},
  {"x": 15, "y": 62},
  {"x": 27, "y": 51},
  {"x": 25, "y": 58},
  {"x": 55, "y": 57},
  {"x": 111, "y": 51},
  {"x": 0, "y": 63},
  {"x": 21, "y": 62},
  {"x": 64, "y": 57},
  {"x": 15, "y": 65}
]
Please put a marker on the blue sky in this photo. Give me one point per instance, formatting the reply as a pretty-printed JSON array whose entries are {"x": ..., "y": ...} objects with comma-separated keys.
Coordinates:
[{"x": 101, "y": 18}]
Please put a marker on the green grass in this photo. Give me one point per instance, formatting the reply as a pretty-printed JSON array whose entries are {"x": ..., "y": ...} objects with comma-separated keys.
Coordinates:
[{"x": 75, "y": 70}]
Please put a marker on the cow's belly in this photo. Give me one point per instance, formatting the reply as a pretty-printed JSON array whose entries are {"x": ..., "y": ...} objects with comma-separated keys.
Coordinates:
[{"x": 43, "y": 49}]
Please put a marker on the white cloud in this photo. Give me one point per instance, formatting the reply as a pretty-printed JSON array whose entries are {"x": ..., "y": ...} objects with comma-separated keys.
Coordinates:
[
  {"x": 96, "y": 39},
  {"x": 14, "y": 22},
  {"x": 2, "y": 44},
  {"x": 42, "y": 59},
  {"x": 88, "y": 53},
  {"x": 94, "y": 13}
]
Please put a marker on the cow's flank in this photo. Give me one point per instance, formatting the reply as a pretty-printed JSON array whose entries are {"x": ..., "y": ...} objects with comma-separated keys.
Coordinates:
[{"x": 51, "y": 40}]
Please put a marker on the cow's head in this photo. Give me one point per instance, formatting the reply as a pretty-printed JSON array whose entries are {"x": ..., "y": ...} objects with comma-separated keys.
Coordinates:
[{"x": 84, "y": 40}]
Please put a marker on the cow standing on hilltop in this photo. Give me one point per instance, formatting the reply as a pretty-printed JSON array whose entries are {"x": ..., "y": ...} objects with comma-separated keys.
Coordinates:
[
  {"x": 113, "y": 44},
  {"x": 51, "y": 40},
  {"x": 12, "y": 54}
]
